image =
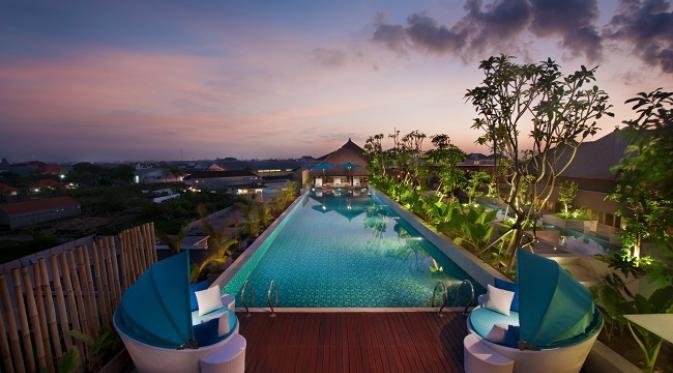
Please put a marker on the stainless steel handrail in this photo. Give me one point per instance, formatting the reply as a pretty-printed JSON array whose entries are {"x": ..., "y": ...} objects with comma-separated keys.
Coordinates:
[
  {"x": 244, "y": 298},
  {"x": 444, "y": 293},
  {"x": 272, "y": 286},
  {"x": 468, "y": 283}
]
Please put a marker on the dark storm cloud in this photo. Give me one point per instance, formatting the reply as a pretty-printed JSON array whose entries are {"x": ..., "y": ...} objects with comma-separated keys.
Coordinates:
[
  {"x": 425, "y": 33},
  {"x": 392, "y": 36},
  {"x": 499, "y": 22},
  {"x": 572, "y": 20},
  {"x": 494, "y": 25},
  {"x": 648, "y": 27}
]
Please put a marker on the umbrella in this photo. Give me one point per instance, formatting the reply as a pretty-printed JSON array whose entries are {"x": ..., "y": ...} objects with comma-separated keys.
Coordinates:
[
  {"x": 322, "y": 166},
  {"x": 554, "y": 308},
  {"x": 349, "y": 166},
  {"x": 156, "y": 309}
]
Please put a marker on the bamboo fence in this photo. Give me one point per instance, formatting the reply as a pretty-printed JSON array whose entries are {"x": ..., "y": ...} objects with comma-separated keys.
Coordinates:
[{"x": 77, "y": 289}]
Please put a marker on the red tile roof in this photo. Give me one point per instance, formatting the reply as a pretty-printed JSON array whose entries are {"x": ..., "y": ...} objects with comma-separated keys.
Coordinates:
[
  {"x": 47, "y": 183},
  {"x": 38, "y": 205},
  {"x": 41, "y": 167},
  {"x": 7, "y": 189}
]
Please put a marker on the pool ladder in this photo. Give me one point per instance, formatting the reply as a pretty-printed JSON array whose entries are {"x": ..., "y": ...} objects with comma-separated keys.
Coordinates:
[
  {"x": 443, "y": 291},
  {"x": 272, "y": 288},
  {"x": 244, "y": 299}
]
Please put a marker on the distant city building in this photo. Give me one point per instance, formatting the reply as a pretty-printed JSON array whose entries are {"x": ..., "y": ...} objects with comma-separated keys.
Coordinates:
[
  {"x": 36, "y": 167},
  {"x": 234, "y": 182},
  {"x": 41, "y": 185},
  {"x": 22, "y": 214},
  {"x": 5, "y": 166},
  {"x": 477, "y": 162},
  {"x": 215, "y": 167},
  {"x": 8, "y": 190},
  {"x": 153, "y": 175}
]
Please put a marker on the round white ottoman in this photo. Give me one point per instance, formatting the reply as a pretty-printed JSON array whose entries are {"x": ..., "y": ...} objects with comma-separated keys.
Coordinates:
[
  {"x": 229, "y": 359},
  {"x": 479, "y": 358}
]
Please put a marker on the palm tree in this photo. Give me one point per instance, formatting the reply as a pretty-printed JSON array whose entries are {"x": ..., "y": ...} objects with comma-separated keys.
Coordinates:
[
  {"x": 220, "y": 245},
  {"x": 174, "y": 243}
]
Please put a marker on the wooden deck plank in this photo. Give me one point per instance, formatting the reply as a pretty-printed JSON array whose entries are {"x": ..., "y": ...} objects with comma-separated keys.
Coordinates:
[{"x": 354, "y": 342}]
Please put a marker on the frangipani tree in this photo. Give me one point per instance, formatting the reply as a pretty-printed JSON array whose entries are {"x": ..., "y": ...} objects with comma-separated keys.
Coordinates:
[{"x": 560, "y": 111}]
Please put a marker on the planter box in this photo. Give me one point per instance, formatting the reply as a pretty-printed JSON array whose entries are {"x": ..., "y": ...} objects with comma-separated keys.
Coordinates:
[{"x": 590, "y": 226}]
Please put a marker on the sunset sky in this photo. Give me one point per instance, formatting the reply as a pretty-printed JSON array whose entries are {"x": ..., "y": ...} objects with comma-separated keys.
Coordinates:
[{"x": 131, "y": 80}]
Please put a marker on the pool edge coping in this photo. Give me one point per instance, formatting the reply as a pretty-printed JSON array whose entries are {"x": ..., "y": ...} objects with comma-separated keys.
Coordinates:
[
  {"x": 476, "y": 268},
  {"x": 348, "y": 309},
  {"x": 249, "y": 251}
]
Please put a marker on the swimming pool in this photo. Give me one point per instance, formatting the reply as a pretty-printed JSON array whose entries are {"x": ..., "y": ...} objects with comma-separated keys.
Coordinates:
[{"x": 346, "y": 251}]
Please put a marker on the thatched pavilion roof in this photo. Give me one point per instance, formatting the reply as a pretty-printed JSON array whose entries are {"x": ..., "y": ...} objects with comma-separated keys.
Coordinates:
[{"x": 349, "y": 152}]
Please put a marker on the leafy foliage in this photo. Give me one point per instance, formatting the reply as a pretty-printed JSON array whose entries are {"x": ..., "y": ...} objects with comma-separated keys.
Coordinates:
[
  {"x": 99, "y": 346},
  {"x": 567, "y": 194},
  {"x": 469, "y": 224},
  {"x": 645, "y": 182},
  {"x": 562, "y": 109},
  {"x": 615, "y": 302}
]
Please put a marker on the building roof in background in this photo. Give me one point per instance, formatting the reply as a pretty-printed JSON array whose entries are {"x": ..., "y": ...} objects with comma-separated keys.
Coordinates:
[
  {"x": 348, "y": 152},
  {"x": 477, "y": 160},
  {"x": 46, "y": 183},
  {"x": 275, "y": 164},
  {"x": 40, "y": 167},
  {"x": 7, "y": 189},
  {"x": 216, "y": 174},
  {"x": 38, "y": 205},
  {"x": 4, "y": 165},
  {"x": 594, "y": 159}
]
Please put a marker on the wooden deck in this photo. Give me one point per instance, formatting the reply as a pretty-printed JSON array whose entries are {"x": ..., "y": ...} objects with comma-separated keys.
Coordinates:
[{"x": 354, "y": 342}]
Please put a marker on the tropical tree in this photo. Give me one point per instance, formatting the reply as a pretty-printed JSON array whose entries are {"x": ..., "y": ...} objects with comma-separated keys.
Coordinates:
[
  {"x": 375, "y": 154},
  {"x": 174, "y": 242},
  {"x": 220, "y": 244},
  {"x": 567, "y": 194},
  {"x": 561, "y": 111},
  {"x": 250, "y": 212},
  {"x": 442, "y": 161},
  {"x": 474, "y": 185},
  {"x": 644, "y": 189}
]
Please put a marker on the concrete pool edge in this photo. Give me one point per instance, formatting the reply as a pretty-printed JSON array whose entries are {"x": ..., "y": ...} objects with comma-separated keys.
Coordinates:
[
  {"x": 476, "y": 268},
  {"x": 348, "y": 309},
  {"x": 231, "y": 271}
]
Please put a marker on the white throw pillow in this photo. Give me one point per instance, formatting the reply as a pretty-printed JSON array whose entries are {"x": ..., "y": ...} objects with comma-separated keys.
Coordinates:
[
  {"x": 498, "y": 333},
  {"x": 208, "y": 300},
  {"x": 499, "y": 300}
]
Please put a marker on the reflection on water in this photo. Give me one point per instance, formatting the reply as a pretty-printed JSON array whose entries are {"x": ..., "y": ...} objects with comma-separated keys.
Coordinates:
[{"x": 351, "y": 251}]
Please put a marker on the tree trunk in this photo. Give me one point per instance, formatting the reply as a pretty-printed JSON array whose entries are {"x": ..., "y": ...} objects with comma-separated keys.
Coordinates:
[{"x": 514, "y": 244}]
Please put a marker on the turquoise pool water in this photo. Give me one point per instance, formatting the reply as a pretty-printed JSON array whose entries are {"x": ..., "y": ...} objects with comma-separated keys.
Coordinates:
[{"x": 340, "y": 251}]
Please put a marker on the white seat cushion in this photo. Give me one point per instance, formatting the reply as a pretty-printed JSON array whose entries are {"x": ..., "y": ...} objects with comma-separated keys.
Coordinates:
[
  {"x": 208, "y": 300},
  {"x": 499, "y": 300}
]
